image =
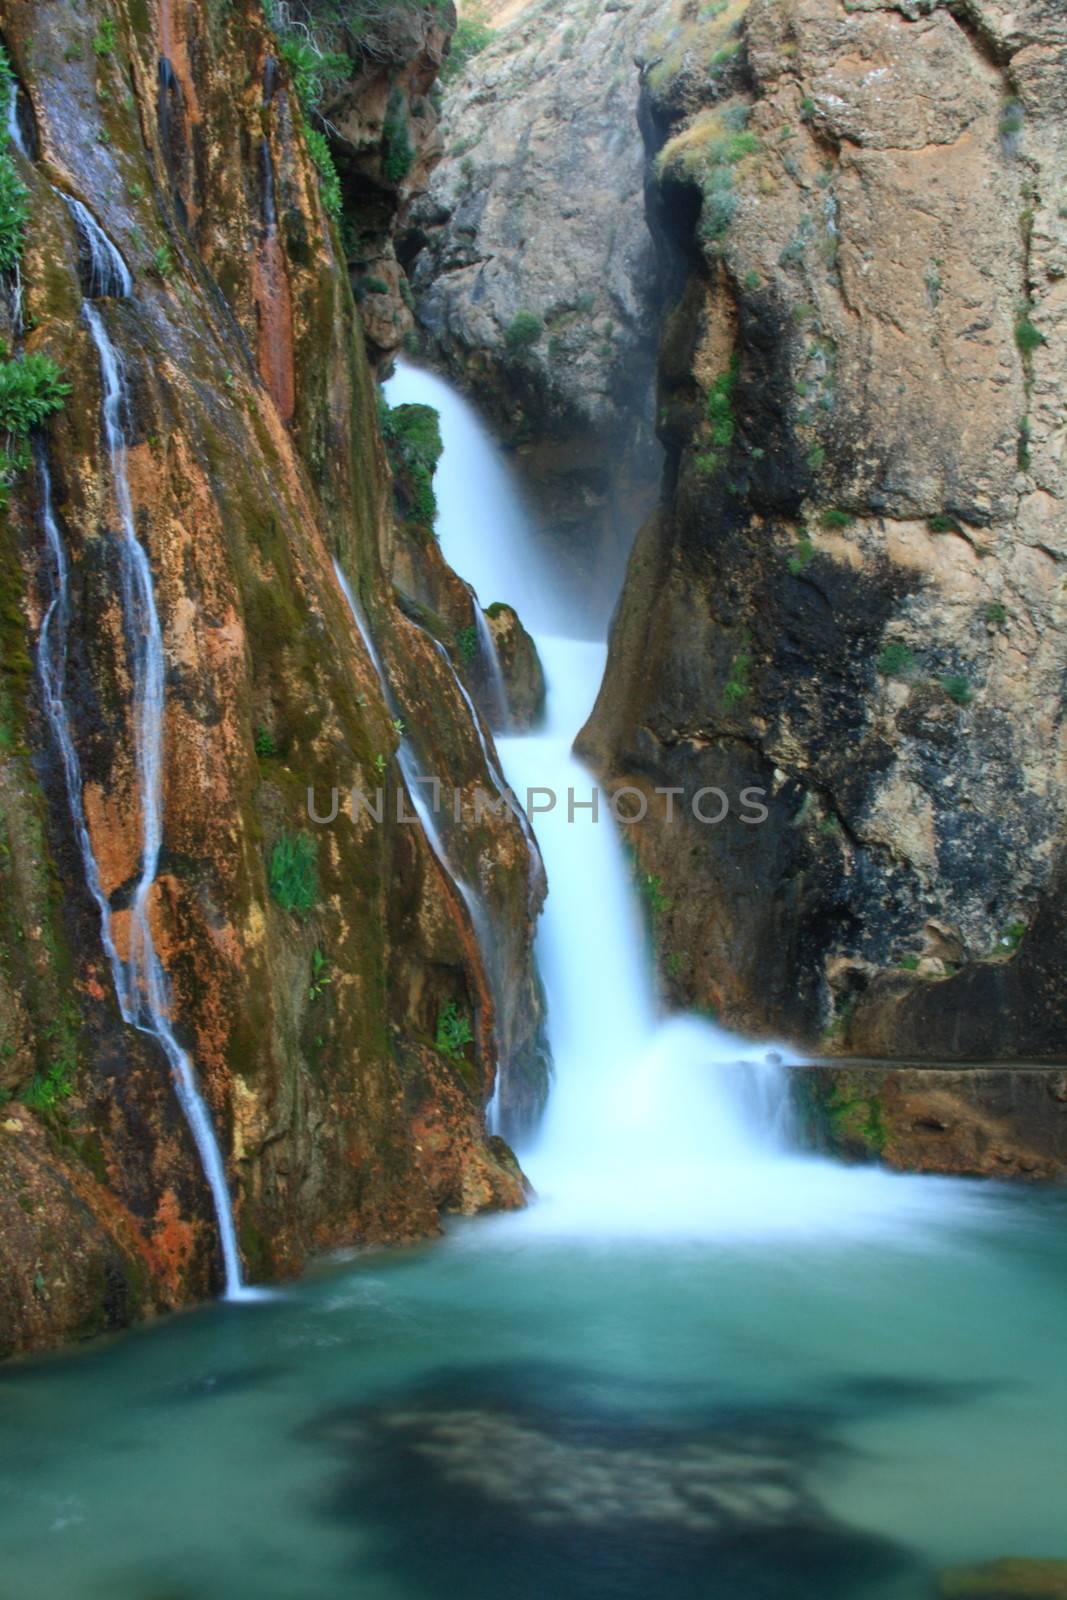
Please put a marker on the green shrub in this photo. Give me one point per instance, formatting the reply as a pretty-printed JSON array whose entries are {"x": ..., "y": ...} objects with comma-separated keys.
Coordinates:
[
  {"x": 957, "y": 688},
  {"x": 1027, "y": 337},
  {"x": 104, "y": 38},
  {"x": 996, "y": 612},
  {"x": 651, "y": 886},
  {"x": 312, "y": 70},
  {"x": 896, "y": 660},
  {"x": 472, "y": 35},
  {"x": 30, "y": 391},
  {"x": 264, "y": 744},
  {"x": 49, "y": 1089},
  {"x": 321, "y": 976},
  {"x": 398, "y": 152},
  {"x": 14, "y": 213},
  {"x": 453, "y": 1031},
  {"x": 329, "y": 182},
  {"x": 523, "y": 332},
  {"x": 1011, "y": 118},
  {"x": 943, "y": 523},
  {"x": 816, "y": 458},
  {"x": 293, "y": 874},
  {"x": 837, "y": 519}
]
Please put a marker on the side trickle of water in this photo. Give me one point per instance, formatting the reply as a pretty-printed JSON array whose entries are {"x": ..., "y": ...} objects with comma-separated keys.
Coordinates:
[{"x": 140, "y": 981}]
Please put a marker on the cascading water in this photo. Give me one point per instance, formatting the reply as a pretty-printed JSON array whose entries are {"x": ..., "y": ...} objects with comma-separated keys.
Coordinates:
[
  {"x": 140, "y": 981},
  {"x": 653, "y": 1125}
]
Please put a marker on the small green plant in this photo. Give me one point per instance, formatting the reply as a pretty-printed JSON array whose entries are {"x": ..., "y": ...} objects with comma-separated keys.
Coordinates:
[
  {"x": 453, "y": 1031},
  {"x": 896, "y": 660},
  {"x": 47, "y": 1090},
  {"x": 14, "y": 213},
  {"x": 1027, "y": 337},
  {"x": 30, "y": 391},
  {"x": 398, "y": 727},
  {"x": 163, "y": 262},
  {"x": 522, "y": 332},
  {"x": 807, "y": 108},
  {"x": 816, "y": 458},
  {"x": 837, "y": 519},
  {"x": 941, "y": 522},
  {"x": 957, "y": 688},
  {"x": 996, "y": 613},
  {"x": 909, "y": 963},
  {"x": 380, "y": 764},
  {"x": 104, "y": 38},
  {"x": 1022, "y": 448},
  {"x": 371, "y": 285},
  {"x": 73, "y": 52},
  {"x": 135, "y": 190},
  {"x": 651, "y": 886},
  {"x": 293, "y": 873},
  {"x": 1011, "y": 119},
  {"x": 313, "y": 70},
  {"x": 321, "y": 976},
  {"x": 719, "y": 428},
  {"x": 467, "y": 644},
  {"x": 752, "y": 281},
  {"x": 802, "y": 556},
  {"x": 737, "y": 686},
  {"x": 264, "y": 744},
  {"x": 1011, "y": 938}
]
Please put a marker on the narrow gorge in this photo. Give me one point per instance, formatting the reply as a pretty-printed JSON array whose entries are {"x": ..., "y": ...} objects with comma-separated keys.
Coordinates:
[{"x": 532, "y": 798}]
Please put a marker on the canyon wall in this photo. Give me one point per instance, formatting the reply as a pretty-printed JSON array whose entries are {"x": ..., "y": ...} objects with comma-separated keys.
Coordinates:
[
  {"x": 326, "y": 981},
  {"x": 852, "y": 594},
  {"x": 534, "y": 274}
]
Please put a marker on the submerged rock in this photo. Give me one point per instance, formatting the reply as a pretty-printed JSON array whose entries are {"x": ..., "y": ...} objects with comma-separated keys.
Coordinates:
[{"x": 1007, "y": 1580}]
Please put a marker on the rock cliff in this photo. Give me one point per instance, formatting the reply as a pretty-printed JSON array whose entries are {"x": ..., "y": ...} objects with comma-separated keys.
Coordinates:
[
  {"x": 534, "y": 273},
  {"x": 852, "y": 595},
  {"x": 326, "y": 982}
]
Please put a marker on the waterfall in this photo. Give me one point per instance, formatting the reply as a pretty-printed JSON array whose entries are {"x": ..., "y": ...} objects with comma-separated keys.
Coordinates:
[
  {"x": 646, "y": 1113},
  {"x": 104, "y": 273},
  {"x": 140, "y": 981},
  {"x": 414, "y": 779}
]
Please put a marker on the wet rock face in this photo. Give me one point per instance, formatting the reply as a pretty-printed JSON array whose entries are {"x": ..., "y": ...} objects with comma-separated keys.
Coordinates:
[
  {"x": 851, "y": 596},
  {"x": 520, "y": 664},
  {"x": 382, "y": 117},
  {"x": 984, "y": 1122},
  {"x": 311, "y": 1002},
  {"x": 534, "y": 272}
]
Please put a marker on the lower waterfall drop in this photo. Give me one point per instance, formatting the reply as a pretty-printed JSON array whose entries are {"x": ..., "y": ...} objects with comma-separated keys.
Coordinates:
[{"x": 655, "y": 1125}]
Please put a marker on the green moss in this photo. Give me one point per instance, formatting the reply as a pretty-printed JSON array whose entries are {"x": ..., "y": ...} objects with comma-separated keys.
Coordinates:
[
  {"x": 467, "y": 644},
  {"x": 293, "y": 873},
  {"x": 855, "y": 1118},
  {"x": 104, "y": 38},
  {"x": 412, "y": 435}
]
